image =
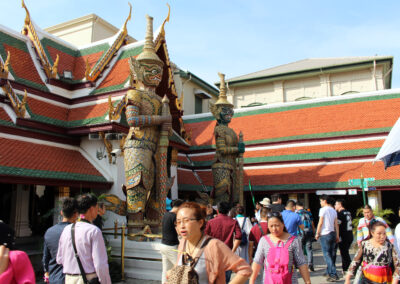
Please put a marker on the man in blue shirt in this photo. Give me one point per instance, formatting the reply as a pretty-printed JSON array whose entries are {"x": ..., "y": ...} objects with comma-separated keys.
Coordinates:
[
  {"x": 52, "y": 270},
  {"x": 291, "y": 219}
]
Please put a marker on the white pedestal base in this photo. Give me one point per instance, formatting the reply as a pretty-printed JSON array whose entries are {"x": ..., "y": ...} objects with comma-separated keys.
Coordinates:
[{"x": 142, "y": 259}]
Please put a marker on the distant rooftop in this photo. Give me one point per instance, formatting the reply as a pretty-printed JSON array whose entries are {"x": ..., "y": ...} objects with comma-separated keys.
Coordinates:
[{"x": 308, "y": 65}]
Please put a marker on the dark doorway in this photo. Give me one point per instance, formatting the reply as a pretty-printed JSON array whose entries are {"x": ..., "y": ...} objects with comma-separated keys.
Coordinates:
[
  {"x": 6, "y": 202},
  {"x": 390, "y": 199}
]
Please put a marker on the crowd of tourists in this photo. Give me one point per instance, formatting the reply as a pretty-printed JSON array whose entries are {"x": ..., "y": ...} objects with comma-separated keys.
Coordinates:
[
  {"x": 219, "y": 244},
  {"x": 222, "y": 245},
  {"x": 74, "y": 251}
]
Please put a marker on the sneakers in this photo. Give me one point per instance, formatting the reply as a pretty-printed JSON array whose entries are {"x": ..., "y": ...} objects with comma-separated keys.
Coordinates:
[
  {"x": 311, "y": 267},
  {"x": 331, "y": 279}
]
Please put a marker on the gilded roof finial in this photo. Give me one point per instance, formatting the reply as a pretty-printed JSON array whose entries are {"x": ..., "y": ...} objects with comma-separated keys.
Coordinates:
[
  {"x": 149, "y": 52},
  {"x": 166, "y": 20},
  {"x": 27, "y": 17},
  {"x": 222, "y": 99},
  {"x": 129, "y": 17}
]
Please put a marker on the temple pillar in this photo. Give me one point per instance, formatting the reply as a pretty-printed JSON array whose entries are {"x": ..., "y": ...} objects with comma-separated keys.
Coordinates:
[
  {"x": 63, "y": 191},
  {"x": 293, "y": 196},
  {"x": 19, "y": 220},
  {"x": 306, "y": 201},
  {"x": 375, "y": 199},
  {"x": 174, "y": 173}
]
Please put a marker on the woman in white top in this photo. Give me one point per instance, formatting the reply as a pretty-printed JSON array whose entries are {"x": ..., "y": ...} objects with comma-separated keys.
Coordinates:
[{"x": 245, "y": 226}]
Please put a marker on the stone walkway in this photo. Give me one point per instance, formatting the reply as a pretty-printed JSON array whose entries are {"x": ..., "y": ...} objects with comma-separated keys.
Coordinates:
[{"x": 316, "y": 277}]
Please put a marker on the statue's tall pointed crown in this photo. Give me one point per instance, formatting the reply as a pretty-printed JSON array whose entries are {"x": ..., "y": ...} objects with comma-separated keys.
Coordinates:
[
  {"x": 149, "y": 52},
  {"x": 222, "y": 99}
]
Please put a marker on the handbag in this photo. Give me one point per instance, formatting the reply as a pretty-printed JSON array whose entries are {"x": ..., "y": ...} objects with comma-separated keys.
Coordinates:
[
  {"x": 185, "y": 274},
  {"x": 83, "y": 273}
]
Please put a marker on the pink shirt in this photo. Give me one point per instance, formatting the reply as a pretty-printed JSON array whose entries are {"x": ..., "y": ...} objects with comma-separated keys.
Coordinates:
[
  {"x": 19, "y": 269},
  {"x": 91, "y": 250}
]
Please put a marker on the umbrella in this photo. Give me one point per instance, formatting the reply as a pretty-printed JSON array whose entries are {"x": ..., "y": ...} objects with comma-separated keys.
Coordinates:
[{"x": 390, "y": 150}]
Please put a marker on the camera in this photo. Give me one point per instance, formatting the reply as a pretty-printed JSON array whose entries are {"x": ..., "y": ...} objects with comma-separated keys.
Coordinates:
[{"x": 115, "y": 152}]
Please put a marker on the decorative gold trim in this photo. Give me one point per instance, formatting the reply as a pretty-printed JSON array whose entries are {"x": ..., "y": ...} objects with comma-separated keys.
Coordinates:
[
  {"x": 51, "y": 71},
  {"x": 121, "y": 144},
  {"x": 114, "y": 113},
  {"x": 18, "y": 105},
  {"x": 4, "y": 68},
  {"x": 93, "y": 74},
  {"x": 108, "y": 146}
]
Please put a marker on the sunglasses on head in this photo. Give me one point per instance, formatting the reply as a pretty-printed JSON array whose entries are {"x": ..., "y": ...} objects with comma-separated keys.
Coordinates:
[{"x": 274, "y": 214}]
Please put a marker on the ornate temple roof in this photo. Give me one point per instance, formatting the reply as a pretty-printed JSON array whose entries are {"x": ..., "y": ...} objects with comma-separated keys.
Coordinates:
[{"x": 98, "y": 71}]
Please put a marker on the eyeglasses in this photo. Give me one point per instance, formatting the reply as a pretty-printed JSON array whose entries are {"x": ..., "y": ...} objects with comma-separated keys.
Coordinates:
[
  {"x": 274, "y": 214},
  {"x": 184, "y": 221}
]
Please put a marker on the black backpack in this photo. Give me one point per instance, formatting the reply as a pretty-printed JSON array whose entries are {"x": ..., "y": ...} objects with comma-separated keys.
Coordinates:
[{"x": 244, "y": 240}]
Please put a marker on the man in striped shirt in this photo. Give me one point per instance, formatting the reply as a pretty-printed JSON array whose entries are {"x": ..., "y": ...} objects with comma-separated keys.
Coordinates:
[{"x": 362, "y": 228}]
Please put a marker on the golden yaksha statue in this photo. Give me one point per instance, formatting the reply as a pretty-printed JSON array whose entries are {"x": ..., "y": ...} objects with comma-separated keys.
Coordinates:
[
  {"x": 224, "y": 168},
  {"x": 146, "y": 118}
]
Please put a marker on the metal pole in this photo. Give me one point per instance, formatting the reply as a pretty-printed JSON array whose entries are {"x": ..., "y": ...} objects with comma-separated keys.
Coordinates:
[
  {"x": 363, "y": 193},
  {"x": 115, "y": 228},
  {"x": 123, "y": 251}
]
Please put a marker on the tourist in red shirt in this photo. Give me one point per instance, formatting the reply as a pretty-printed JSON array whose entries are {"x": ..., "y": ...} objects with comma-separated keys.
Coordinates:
[
  {"x": 256, "y": 234},
  {"x": 225, "y": 229}
]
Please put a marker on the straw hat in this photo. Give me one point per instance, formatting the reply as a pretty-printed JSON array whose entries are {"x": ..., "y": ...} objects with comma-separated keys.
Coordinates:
[{"x": 266, "y": 202}]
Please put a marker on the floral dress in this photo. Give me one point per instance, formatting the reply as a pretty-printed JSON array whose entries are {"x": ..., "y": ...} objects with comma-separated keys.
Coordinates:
[{"x": 379, "y": 264}]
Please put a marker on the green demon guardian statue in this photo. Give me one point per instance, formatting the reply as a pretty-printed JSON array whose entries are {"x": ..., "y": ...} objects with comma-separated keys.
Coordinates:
[
  {"x": 145, "y": 148},
  {"x": 226, "y": 174}
]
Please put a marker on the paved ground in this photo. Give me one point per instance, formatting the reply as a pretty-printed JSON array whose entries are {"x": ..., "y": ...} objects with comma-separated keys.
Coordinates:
[{"x": 316, "y": 277}]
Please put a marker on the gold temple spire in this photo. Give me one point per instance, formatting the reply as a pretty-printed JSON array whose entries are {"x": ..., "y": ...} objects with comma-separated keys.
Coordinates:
[
  {"x": 222, "y": 99},
  {"x": 149, "y": 51}
]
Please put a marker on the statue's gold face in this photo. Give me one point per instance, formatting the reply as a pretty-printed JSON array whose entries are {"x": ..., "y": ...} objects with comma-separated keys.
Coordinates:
[{"x": 152, "y": 74}]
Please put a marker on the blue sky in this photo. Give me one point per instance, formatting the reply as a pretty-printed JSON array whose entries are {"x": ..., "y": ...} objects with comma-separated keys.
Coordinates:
[{"x": 238, "y": 37}]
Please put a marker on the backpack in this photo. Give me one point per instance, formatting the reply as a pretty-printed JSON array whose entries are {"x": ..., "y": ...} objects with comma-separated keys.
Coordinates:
[
  {"x": 244, "y": 240},
  {"x": 307, "y": 222},
  {"x": 277, "y": 271},
  {"x": 186, "y": 274}
]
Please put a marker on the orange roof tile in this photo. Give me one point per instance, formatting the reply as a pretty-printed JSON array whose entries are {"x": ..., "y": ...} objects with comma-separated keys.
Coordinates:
[
  {"x": 88, "y": 111},
  {"x": 34, "y": 156},
  {"x": 4, "y": 116},
  {"x": 46, "y": 109},
  {"x": 378, "y": 113},
  {"x": 22, "y": 64},
  {"x": 118, "y": 74}
]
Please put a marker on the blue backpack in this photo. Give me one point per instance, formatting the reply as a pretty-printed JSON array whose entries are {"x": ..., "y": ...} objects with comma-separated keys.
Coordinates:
[{"x": 306, "y": 218}]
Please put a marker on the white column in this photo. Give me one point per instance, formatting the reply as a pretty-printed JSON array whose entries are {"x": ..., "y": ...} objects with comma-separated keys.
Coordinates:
[
  {"x": 174, "y": 173},
  {"x": 20, "y": 214},
  {"x": 325, "y": 85},
  {"x": 278, "y": 90}
]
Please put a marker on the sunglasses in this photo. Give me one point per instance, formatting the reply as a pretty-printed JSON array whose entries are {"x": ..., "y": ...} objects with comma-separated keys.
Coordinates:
[
  {"x": 184, "y": 221},
  {"x": 274, "y": 214}
]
